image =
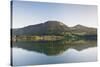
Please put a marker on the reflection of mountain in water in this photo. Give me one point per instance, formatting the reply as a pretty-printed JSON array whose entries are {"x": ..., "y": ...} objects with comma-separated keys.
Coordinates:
[{"x": 55, "y": 47}]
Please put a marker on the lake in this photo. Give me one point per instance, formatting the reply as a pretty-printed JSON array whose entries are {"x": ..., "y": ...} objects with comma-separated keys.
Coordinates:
[{"x": 52, "y": 52}]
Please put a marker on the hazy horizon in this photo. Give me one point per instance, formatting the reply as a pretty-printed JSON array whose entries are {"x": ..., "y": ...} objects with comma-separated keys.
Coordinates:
[{"x": 30, "y": 13}]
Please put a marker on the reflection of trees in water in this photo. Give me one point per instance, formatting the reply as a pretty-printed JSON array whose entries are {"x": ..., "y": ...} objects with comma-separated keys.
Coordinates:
[{"x": 55, "y": 47}]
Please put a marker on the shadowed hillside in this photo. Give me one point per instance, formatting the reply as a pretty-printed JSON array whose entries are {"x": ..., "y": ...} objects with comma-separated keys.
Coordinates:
[{"x": 53, "y": 28}]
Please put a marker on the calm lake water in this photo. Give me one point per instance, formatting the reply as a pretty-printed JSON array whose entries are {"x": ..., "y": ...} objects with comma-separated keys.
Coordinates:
[{"x": 36, "y": 53}]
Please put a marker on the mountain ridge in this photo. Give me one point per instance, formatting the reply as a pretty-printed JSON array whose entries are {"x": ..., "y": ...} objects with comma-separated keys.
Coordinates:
[{"x": 53, "y": 28}]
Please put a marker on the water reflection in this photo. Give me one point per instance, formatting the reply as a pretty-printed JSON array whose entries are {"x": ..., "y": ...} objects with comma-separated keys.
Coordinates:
[{"x": 51, "y": 48}]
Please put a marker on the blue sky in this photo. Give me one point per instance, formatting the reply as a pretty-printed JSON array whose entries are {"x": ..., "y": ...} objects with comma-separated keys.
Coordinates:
[{"x": 29, "y": 13}]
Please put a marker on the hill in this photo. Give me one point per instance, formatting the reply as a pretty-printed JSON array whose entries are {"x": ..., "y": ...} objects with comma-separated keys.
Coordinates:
[{"x": 53, "y": 28}]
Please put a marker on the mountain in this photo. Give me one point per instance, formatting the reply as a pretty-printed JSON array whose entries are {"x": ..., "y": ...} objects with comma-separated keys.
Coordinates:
[
  {"x": 83, "y": 29},
  {"x": 53, "y": 28}
]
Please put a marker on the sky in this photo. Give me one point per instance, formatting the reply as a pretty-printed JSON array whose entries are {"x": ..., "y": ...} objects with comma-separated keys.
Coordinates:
[{"x": 30, "y": 13}]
